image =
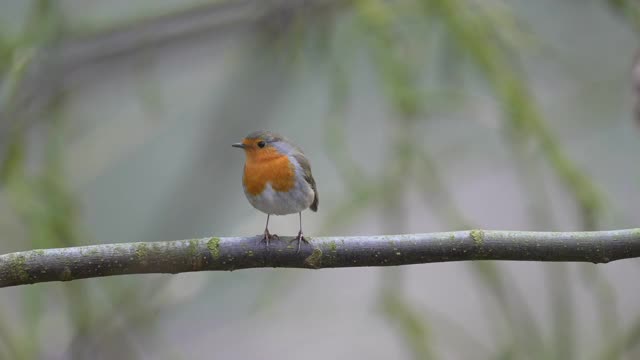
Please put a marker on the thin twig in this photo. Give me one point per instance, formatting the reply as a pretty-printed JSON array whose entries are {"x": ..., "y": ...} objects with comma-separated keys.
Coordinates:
[{"x": 233, "y": 253}]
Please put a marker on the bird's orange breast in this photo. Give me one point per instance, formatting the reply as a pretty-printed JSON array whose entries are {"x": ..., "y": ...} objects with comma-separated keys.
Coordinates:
[{"x": 268, "y": 166}]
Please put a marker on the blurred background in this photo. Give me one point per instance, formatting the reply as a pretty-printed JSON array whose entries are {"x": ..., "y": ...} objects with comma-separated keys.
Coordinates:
[{"x": 116, "y": 120}]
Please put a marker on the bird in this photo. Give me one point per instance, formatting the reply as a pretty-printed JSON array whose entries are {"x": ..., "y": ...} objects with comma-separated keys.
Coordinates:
[{"x": 277, "y": 178}]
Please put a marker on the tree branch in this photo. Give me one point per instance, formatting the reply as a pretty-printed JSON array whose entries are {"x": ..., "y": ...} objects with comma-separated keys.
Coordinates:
[{"x": 232, "y": 253}]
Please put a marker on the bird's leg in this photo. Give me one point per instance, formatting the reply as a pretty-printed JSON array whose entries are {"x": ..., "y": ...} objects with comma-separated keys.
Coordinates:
[
  {"x": 300, "y": 238},
  {"x": 268, "y": 236}
]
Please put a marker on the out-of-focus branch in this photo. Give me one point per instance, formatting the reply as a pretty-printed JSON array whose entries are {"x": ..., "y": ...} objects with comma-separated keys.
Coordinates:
[
  {"x": 176, "y": 27},
  {"x": 232, "y": 253},
  {"x": 71, "y": 54},
  {"x": 78, "y": 58}
]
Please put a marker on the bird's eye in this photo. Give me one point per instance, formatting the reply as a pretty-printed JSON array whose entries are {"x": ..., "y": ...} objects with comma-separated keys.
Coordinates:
[{"x": 261, "y": 144}]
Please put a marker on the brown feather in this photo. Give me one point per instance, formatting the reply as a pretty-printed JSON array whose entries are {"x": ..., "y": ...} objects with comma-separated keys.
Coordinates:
[{"x": 306, "y": 167}]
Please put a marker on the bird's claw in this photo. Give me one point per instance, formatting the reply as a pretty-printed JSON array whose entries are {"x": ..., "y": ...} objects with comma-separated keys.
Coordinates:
[
  {"x": 267, "y": 237},
  {"x": 300, "y": 238}
]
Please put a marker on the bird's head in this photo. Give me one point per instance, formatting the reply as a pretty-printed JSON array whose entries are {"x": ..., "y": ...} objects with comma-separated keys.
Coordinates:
[{"x": 262, "y": 145}]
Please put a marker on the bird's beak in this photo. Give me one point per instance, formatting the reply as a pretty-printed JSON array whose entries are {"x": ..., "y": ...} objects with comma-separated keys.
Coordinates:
[{"x": 238, "y": 145}]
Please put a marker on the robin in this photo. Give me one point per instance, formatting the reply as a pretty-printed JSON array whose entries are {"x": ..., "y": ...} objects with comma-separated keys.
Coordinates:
[{"x": 277, "y": 178}]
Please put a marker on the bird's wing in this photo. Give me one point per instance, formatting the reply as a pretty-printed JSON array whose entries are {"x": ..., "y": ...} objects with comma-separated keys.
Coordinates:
[{"x": 306, "y": 168}]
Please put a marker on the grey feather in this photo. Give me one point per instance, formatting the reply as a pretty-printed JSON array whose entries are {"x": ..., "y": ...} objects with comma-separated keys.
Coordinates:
[
  {"x": 306, "y": 167},
  {"x": 265, "y": 135}
]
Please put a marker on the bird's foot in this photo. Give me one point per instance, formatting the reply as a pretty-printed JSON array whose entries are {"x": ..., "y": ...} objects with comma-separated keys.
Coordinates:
[
  {"x": 300, "y": 239},
  {"x": 267, "y": 237}
]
